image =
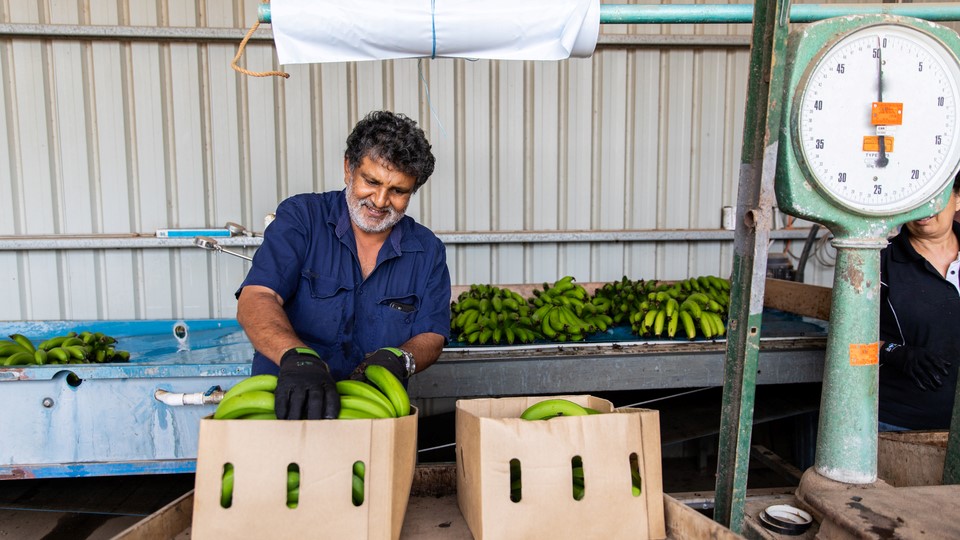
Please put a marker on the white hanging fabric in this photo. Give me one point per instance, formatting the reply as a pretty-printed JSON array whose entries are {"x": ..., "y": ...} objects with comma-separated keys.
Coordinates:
[{"x": 312, "y": 31}]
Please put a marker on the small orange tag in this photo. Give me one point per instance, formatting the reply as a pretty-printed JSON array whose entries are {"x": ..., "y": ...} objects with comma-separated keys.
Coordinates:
[
  {"x": 890, "y": 114},
  {"x": 864, "y": 354},
  {"x": 871, "y": 143}
]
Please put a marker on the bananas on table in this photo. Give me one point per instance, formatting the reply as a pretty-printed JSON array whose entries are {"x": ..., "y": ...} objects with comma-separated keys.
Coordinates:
[
  {"x": 71, "y": 348},
  {"x": 487, "y": 314},
  {"x": 564, "y": 311},
  {"x": 693, "y": 304}
]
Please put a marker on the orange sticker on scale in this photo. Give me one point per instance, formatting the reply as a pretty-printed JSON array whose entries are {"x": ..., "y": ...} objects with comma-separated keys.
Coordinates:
[
  {"x": 887, "y": 114},
  {"x": 864, "y": 354},
  {"x": 871, "y": 143}
]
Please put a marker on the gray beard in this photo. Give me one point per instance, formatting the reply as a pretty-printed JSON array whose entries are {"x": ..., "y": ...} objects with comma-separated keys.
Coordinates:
[{"x": 355, "y": 207}]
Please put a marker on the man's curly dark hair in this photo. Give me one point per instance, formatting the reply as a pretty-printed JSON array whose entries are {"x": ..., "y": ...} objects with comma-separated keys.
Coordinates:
[{"x": 394, "y": 139}]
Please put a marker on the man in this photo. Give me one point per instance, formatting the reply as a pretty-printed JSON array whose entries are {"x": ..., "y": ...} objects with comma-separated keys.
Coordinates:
[{"x": 345, "y": 279}]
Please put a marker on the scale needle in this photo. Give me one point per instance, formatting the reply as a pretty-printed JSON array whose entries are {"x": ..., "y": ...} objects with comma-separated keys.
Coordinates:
[{"x": 882, "y": 160}]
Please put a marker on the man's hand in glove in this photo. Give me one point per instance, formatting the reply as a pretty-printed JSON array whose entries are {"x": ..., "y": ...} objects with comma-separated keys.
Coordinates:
[
  {"x": 926, "y": 369},
  {"x": 305, "y": 388},
  {"x": 389, "y": 357}
]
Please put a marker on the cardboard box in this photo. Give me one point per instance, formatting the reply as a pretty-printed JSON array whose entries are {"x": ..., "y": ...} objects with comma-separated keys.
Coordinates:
[
  {"x": 325, "y": 451},
  {"x": 490, "y": 433}
]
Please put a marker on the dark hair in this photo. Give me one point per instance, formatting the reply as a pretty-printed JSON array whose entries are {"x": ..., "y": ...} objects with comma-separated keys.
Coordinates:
[
  {"x": 956, "y": 184},
  {"x": 394, "y": 139}
]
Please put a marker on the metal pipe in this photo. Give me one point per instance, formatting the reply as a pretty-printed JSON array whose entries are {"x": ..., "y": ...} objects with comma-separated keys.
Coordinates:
[
  {"x": 742, "y": 13},
  {"x": 131, "y": 33},
  {"x": 234, "y": 35},
  {"x": 179, "y": 399},
  {"x": 205, "y": 242},
  {"x": 137, "y": 241}
]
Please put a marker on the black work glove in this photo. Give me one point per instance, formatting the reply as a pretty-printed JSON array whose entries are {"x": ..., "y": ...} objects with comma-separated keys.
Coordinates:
[
  {"x": 388, "y": 357},
  {"x": 305, "y": 388},
  {"x": 926, "y": 369}
]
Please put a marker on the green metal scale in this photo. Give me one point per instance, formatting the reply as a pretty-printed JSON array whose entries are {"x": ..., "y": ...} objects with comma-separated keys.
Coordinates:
[{"x": 870, "y": 139}]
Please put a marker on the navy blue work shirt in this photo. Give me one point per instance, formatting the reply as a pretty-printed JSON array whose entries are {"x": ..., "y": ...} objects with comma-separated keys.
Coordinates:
[{"x": 309, "y": 258}]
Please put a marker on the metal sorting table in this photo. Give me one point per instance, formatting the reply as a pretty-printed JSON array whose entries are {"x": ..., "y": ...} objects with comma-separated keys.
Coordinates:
[{"x": 102, "y": 419}]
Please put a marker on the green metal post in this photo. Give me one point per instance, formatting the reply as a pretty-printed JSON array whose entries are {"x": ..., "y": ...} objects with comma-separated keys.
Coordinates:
[
  {"x": 741, "y": 13},
  {"x": 755, "y": 201},
  {"x": 951, "y": 464},
  {"x": 847, "y": 436}
]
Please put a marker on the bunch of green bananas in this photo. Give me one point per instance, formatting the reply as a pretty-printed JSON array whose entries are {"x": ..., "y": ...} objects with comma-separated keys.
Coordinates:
[
  {"x": 293, "y": 487},
  {"x": 71, "y": 348},
  {"x": 565, "y": 311},
  {"x": 385, "y": 398},
  {"x": 253, "y": 398},
  {"x": 488, "y": 314},
  {"x": 620, "y": 297},
  {"x": 249, "y": 399},
  {"x": 691, "y": 304}
]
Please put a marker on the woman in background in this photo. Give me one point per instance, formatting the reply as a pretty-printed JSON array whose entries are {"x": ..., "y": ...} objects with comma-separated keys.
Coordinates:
[{"x": 920, "y": 321}]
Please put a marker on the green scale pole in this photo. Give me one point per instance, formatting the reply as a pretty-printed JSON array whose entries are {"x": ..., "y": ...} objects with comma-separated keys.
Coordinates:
[{"x": 847, "y": 436}]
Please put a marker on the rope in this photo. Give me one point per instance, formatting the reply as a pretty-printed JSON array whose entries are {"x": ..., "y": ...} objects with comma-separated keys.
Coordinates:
[{"x": 243, "y": 45}]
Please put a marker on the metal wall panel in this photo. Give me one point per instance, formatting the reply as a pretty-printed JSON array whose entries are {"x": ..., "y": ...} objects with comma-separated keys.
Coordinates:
[{"x": 123, "y": 137}]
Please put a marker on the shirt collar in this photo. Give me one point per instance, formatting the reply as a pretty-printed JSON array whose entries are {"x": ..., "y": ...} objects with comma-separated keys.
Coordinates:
[{"x": 904, "y": 250}]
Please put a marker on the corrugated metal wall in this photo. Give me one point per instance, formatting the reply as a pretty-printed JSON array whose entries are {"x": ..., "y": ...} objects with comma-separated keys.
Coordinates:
[{"x": 114, "y": 136}]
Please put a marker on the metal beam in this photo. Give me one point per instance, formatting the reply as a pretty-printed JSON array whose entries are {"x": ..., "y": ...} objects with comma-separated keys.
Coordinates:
[
  {"x": 755, "y": 202},
  {"x": 146, "y": 241}
]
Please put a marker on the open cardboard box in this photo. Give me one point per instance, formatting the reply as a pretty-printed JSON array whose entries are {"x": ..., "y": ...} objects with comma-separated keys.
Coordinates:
[
  {"x": 490, "y": 433},
  {"x": 325, "y": 451}
]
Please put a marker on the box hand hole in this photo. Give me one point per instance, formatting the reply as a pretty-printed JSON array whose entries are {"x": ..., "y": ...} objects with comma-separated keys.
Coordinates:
[
  {"x": 576, "y": 465},
  {"x": 226, "y": 486},
  {"x": 635, "y": 480},
  {"x": 293, "y": 485},
  {"x": 516, "y": 487},
  {"x": 359, "y": 474}
]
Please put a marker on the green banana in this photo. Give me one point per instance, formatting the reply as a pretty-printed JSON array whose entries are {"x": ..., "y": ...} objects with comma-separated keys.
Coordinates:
[
  {"x": 259, "y": 416},
  {"x": 358, "y": 403},
  {"x": 706, "y": 326},
  {"x": 357, "y": 490},
  {"x": 75, "y": 351},
  {"x": 58, "y": 355},
  {"x": 659, "y": 321},
  {"x": 255, "y": 401},
  {"x": 361, "y": 389},
  {"x": 692, "y": 307},
  {"x": 52, "y": 342},
  {"x": 391, "y": 387},
  {"x": 226, "y": 488},
  {"x": 354, "y": 414},
  {"x": 552, "y": 407},
  {"x": 21, "y": 358},
  {"x": 40, "y": 356},
  {"x": 265, "y": 383},
  {"x": 11, "y": 347},
  {"x": 672, "y": 323},
  {"x": 688, "y": 327},
  {"x": 24, "y": 342}
]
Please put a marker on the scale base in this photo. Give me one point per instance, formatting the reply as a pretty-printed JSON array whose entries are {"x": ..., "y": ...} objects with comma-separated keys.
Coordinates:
[{"x": 879, "y": 510}]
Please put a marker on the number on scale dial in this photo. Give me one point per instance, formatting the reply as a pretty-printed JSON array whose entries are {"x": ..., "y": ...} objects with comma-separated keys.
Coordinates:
[{"x": 877, "y": 120}]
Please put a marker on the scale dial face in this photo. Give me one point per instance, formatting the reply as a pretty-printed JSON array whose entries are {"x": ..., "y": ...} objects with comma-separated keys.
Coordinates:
[{"x": 876, "y": 121}]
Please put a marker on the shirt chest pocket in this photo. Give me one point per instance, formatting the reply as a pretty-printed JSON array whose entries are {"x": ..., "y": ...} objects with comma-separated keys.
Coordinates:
[
  {"x": 322, "y": 313},
  {"x": 398, "y": 310}
]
